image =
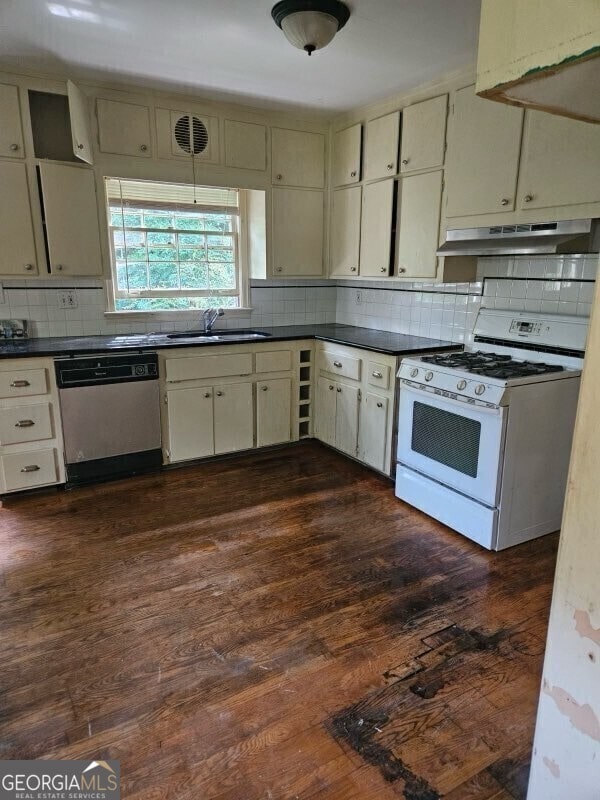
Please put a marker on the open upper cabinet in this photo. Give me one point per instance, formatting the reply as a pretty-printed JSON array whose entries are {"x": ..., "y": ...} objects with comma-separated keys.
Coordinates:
[{"x": 60, "y": 125}]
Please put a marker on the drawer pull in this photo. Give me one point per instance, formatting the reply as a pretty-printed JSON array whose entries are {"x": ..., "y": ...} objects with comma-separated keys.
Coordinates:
[
  {"x": 31, "y": 468},
  {"x": 219, "y": 394},
  {"x": 339, "y": 389},
  {"x": 337, "y": 364},
  {"x": 24, "y": 423},
  {"x": 377, "y": 374},
  {"x": 379, "y": 405},
  {"x": 264, "y": 388},
  {"x": 330, "y": 388},
  {"x": 19, "y": 384}
]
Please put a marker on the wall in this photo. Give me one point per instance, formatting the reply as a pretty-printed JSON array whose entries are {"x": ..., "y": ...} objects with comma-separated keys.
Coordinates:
[{"x": 557, "y": 284}]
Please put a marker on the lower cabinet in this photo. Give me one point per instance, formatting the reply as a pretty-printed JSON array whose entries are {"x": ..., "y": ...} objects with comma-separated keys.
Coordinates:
[
  {"x": 273, "y": 412},
  {"x": 337, "y": 415},
  {"x": 373, "y": 439},
  {"x": 234, "y": 417}
]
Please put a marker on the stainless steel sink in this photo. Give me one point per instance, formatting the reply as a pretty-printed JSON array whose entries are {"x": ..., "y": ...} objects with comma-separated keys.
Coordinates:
[{"x": 232, "y": 335}]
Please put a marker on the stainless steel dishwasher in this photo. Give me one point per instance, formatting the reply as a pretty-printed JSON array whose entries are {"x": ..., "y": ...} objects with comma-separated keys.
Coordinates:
[{"x": 110, "y": 413}]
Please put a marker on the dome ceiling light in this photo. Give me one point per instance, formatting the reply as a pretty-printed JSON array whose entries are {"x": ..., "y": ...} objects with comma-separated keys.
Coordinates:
[{"x": 310, "y": 24}]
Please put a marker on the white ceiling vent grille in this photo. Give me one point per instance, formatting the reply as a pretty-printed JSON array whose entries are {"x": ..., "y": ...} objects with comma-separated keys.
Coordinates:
[{"x": 191, "y": 135}]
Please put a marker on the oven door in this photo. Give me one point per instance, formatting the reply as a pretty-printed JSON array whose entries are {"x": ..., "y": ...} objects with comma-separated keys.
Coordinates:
[{"x": 452, "y": 441}]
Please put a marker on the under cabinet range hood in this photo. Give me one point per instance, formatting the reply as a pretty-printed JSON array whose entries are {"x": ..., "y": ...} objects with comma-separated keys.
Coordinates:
[{"x": 570, "y": 236}]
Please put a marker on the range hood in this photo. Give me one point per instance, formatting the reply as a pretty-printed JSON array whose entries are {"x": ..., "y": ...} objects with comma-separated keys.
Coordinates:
[{"x": 570, "y": 236}]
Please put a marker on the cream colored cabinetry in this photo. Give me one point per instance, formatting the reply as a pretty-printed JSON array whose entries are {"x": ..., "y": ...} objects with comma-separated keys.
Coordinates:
[
  {"x": 297, "y": 158},
  {"x": 345, "y": 231},
  {"x": 11, "y": 130},
  {"x": 483, "y": 156},
  {"x": 30, "y": 432},
  {"x": 245, "y": 145},
  {"x": 17, "y": 243},
  {"x": 297, "y": 232},
  {"x": 190, "y": 423},
  {"x": 355, "y": 401},
  {"x": 233, "y": 417},
  {"x": 71, "y": 217},
  {"x": 376, "y": 228},
  {"x": 124, "y": 128},
  {"x": 424, "y": 134},
  {"x": 419, "y": 206},
  {"x": 273, "y": 411},
  {"x": 346, "y": 158},
  {"x": 381, "y": 150},
  {"x": 560, "y": 165}
]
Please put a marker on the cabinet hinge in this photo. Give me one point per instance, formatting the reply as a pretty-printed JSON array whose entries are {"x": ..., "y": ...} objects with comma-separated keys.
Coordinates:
[
  {"x": 359, "y": 395},
  {"x": 166, "y": 398}
]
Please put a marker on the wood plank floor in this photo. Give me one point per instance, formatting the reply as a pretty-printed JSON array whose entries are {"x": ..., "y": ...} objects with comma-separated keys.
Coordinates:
[{"x": 272, "y": 626}]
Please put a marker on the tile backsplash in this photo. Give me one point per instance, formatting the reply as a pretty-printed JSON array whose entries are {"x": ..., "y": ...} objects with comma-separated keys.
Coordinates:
[{"x": 557, "y": 284}]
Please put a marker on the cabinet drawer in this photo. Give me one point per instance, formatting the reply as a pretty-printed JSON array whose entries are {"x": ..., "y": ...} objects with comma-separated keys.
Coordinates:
[
  {"x": 25, "y": 424},
  {"x": 340, "y": 364},
  {"x": 26, "y": 470},
  {"x": 200, "y": 367},
  {"x": 274, "y": 361},
  {"x": 23, "y": 382},
  {"x": 378, "y": 374}
]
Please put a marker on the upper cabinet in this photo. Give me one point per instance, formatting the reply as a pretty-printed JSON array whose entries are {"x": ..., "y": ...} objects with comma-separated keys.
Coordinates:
[
  {"x": 377, "y": 229},
  {"x": 346, "y": 159},
  {"x": 297, "y": 232},
  {"x": 424, "y": 135},
  {"x": 11, "y": 130},
  {"x": 124, "y": 128},
  {"x": 245, "y": 145},
  {"x": 483, "y": 156},
  {"x": 17, "y": 253},
  {"x": 181, "y": 134},
  {"x": 560, "y": 165},
  {"x": 297, "y": 158},
  {"x": 419, "y": 206},
  {"x": 381, "y": 150},
  {"x": 345, "y": 231},
  {"x": 80, "y": 124},
  {"x": 60, "y": 125}
]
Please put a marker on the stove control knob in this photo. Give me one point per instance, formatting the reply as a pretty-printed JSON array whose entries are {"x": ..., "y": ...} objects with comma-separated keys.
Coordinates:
[
  {"x": 479, "y": 390},
  {"x": 428, "y": 376},
  {"x": 461, "y": 385},
  {"x": 414, "y": 372}
]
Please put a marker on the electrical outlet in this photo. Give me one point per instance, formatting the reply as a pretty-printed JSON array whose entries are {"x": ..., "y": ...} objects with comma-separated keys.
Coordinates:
[
  {"x": 68, "y": 299},
  {"x": 358, "y": 298}
]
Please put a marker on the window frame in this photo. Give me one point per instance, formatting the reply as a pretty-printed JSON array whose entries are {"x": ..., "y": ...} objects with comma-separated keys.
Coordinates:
[{"x": 240, "y": 244}]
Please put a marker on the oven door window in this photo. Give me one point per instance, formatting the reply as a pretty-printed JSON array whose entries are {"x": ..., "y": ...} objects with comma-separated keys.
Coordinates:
[{"x": 448, "y": 438}]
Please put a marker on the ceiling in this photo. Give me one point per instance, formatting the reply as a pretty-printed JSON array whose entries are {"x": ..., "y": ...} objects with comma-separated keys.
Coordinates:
[{"x": 231, "y": 49}]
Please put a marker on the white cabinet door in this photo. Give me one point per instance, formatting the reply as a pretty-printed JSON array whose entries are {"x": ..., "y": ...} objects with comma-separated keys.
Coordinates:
[
  {"x": 347, "y": 146},
  {"x": 483, "y": 155},
  {"x": 234, "y": 417},
  {"x": 561, "y": 162},
  {"x": 124, "y": 128},
  {"x": 190, "y": 423},
  {"x": 245, "y": 145},
  {"x": 346, "y": 418},
  {"x": 17, "y": 243},
  {"x": 71, "y": 215},
  {"x": 80, "y": 124},
  {"x": 297, "y": 232},
  {"x": 11, "y": 130},
  {"x": 345, "y": 231},
  {"x": 297, "y": 158},
  {"x": 381, "y": 152},
  {"x": 325, "y": 411},
  {"x": 376, "y": 228},
  {"x": 273, "y": 411},
  {"x": 424, "y": 134},
  {"x": 374, "y": 431},
  {"x": 419, "y": 206}
]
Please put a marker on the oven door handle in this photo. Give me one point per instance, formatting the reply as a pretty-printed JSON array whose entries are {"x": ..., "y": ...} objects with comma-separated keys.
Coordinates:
[{"x": 427, "y": 392}]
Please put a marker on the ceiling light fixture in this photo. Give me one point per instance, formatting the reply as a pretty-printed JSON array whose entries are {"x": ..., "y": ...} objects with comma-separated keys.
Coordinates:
[{"x": 310, "y": 24}]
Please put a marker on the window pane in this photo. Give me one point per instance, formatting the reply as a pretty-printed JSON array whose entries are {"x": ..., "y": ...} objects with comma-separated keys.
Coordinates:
[
  {"x": 129, "y": 220},
  {"x": 220, "y": 254},
  {"x": 164, "y": 253},
  {"x": 218, "y": 222},
  {"x": 220, "y": 241},
  {"x": 158, "y": 220},
  {"x": 138, "y": 276},
  {"x": 160, "y": 238},
  {"x": 222, "y": 276},
  {"x": 194, "y": 276},
  {"x": 192, "y": 255},
  {"x": 191, "y": 240},
  {"x": 134, "y": 254},
  {"x": 195, "y": 223},
  {"x": 121, "y": 277},
  {"x": 167, "y": 303},
  {"x": 164, "y": 275}
]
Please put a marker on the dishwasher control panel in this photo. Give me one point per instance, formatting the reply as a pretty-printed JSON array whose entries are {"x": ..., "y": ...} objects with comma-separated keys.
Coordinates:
[{"x": 101, "y": 369}]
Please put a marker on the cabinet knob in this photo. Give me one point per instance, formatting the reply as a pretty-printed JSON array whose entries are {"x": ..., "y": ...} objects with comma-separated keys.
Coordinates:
[
  {"x": 330, "y": 388},
  {"x": 405, "y": 161},
  {"x": 339, "y": 389},
  {"x": 80, "y": 146},
  {"x": 279, "y": 269},
  {"x": 337, "y": 364},
  {"x": 505, "y": 201},
  {"x": 14, "y": 147},
  {"x": 19, "y": 384},
  {"x": 144, "y": 148},
  {"x": 390, "y": 167},
  {"x": 30, "y": 468},
  {"x": 377, "y": 374},
  {"x": 401, "y": 270},
  {"x": 264, "y": 388},
  {"x": 353, "y": 174},
  {"x": 379, "y": 405},
  {"x": 528, "y": 198},
  {"x": 24, "y": 423},
  {"x": 59, "y": 267},
  {"x": 206, "y": 394},
  {"x": 29, "y": 267},
  {"x": 383, "y": 269},
  {"x": 279, "y": 177},
  {"x": 352, "y": 269},
  {"x": 219, "y": 394}
]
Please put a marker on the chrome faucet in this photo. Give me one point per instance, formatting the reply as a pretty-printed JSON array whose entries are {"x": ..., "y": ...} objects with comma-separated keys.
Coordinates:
[{"x": 209, "y": 317}]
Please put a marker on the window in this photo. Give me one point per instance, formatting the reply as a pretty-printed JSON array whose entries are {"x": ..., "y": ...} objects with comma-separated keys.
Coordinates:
[{"x": 173, "y": 246}]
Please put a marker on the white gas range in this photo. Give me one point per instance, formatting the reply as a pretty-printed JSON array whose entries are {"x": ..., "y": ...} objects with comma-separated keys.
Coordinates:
[{"x": 484, "y": 436}]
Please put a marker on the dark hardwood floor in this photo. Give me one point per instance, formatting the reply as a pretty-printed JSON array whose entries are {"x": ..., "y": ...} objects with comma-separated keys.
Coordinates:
[{"x": 272, "y": 626}]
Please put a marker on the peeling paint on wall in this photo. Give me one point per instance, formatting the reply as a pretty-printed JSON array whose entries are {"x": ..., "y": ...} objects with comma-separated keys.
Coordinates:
[
  {"x": 552, "y": 766},
  {"x": 582, "y": 717},
  {"x": 584, "y": 627}
]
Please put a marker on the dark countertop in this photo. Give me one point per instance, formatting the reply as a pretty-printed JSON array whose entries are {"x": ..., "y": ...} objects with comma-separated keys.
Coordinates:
[{"x": 366, "y": 338}]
